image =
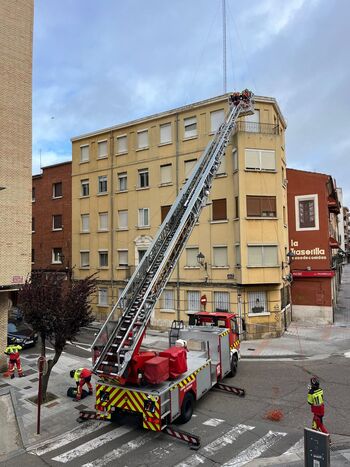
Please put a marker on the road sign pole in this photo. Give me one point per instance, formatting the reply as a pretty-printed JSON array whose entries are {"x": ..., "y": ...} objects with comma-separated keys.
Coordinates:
[{"x": 41, "y": 363}]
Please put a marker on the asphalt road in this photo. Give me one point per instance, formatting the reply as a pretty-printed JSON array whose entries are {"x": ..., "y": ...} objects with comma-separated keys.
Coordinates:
[{"x": 230, "y": 427}]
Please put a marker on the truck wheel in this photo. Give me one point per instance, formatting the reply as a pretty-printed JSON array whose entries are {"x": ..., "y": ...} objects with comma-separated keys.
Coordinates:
[
  {"x": 187, "y": 408},
  {"x": 234, "y": 365}
]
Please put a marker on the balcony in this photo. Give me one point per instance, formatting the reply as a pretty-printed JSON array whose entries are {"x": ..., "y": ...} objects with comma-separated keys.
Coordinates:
[{"x": 261, "y": 128}]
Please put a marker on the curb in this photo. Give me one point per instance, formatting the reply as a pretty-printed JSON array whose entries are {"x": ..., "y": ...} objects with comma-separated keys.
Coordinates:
[{"x": 271, "y": 357}]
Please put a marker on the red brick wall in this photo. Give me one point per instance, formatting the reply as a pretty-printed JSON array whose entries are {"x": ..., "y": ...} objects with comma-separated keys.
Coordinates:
[{"x": 43, "y": 208}]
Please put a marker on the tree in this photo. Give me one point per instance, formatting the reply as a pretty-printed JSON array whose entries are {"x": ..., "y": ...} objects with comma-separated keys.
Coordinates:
[{"x": 57, "y": 308}]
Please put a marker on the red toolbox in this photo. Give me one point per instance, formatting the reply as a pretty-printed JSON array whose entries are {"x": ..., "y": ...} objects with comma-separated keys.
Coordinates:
[
  {"x": 137, "y": 365},
  {"x": 156, "y": 370},
  {"x": 177, "y": 360}
]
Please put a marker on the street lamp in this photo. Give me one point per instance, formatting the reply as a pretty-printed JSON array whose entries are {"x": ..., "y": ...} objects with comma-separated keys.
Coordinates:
[
  {"x": 201, "y": 260},
  {"x": 290, "y": 255}
]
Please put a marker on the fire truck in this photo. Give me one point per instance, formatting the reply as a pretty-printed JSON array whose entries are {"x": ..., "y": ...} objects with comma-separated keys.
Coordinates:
[{"x": 161, "y": 387}]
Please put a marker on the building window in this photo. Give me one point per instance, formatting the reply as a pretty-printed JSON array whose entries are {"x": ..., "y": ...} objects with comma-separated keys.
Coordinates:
[
  {"x": 221, "y": 301},
  {"x": 257, "y": 303},
  {"x": 103, "y": 221},
  {"x": 103, "y": 259},
  {"x": 216, "y": 119},
  {"x": 236, "y": 207},
  {"x": 57, "y": 256},
  {"x": 168, "y": 300},
  {"x": 165, "y": 133},
  {"x": 252, "y": 122},
  {"x": 262, "y": 256},
  {"x": 259, "y": 159},
  {"x": 85, "y": 222},
  {"x": 122, "y": 181},
  {"x": 220, "y": 256},
  {"x": 121, "y": 144},
  {"x": 57, "y": 190},
  {"x": 143, "y": 217},
  {"x": 219, "y": 209},
  {"x": 143, "y": 178},
  {"x": 165, "y": 174},
  {"x": 84, "y": 153},
  {"x": 164, "y": 212},
  {"x": 306, "y": 212},
  {"x": 102, "y": 184},
  {"x": 57, "y": 222},
  {"x": 142, "y": 139},
  {"x": 191, "y": 257},
  {"x": 33, "y": 224},
  {"x": 222, "y": 166},
  {"x": 85, "y": 189},
  {"x": 234, "y": 159},
  {"x": 189, "y": 166},
  {"x": 238, "y": 255},
  {"x": 193, "y": 301},
  {"x": 102, "y": 149},
  {"x": 103, "y": 296},
  {"x": 261, "y": 206},
  {"x": 33, "y": 194},
  {"x": 33, "y": 255},
  {"x": 190, "y": 127},
  {"x": 123, "y": 219},
  {"x": 84, "y": 259},
  {"x": 123, "y": 258}
]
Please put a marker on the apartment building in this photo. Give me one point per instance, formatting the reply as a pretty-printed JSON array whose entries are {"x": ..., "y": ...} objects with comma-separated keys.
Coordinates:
[
  {"x": 313, "y": 207},
  {"x": 124, "y": 180},
  {"x": 346, "y": 220},
  {"x": 16, "y": 31},
  {"x": 52, "y": 218}
]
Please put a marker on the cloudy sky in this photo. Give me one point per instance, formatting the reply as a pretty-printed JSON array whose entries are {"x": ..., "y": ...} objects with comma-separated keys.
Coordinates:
[{"x": 100, "y": 63}]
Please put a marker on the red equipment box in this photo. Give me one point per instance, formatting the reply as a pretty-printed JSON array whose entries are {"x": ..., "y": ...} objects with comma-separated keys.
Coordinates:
[
  {"x": 137, "y": 365},
  {"x": 177, "y": 360},
  {"x": 156, "y": 370}
]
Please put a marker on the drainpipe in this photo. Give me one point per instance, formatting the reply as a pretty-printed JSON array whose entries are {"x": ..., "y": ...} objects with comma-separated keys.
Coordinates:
[
  {"x": 111, "y": 199},
  {"x": 177, "y": 147}
]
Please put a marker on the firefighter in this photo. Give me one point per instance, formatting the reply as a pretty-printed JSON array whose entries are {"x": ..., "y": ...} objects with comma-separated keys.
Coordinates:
[
  {"x": 315, "y": 399},
  {"x": 14, "y": 360},
  {"x": 81, "y": 376}
]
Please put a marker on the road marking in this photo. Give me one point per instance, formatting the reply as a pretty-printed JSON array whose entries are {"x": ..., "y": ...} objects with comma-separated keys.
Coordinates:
[
  {"x": 83, "y": 430},
  {"x": 216, "y": 445},
  {"x": 92, "y": 444},
  {"x": 213, "y": 422},
  {"x": 255, "y": 450},
  {"x": 297, "y": 448},
  {"x": 124, "y": 449}
]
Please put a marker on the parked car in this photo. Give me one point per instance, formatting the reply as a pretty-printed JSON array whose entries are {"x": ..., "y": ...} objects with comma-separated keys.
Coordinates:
[{"x": 21, "y": 333}]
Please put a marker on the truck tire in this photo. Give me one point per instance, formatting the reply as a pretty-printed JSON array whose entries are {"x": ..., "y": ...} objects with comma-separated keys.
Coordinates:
[
  {"x": 187, "y": 408},
  {"x": 234, "y": 365}
]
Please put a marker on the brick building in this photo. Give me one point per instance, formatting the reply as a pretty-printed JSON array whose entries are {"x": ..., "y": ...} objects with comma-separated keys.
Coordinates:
[
  {"x": 313, "y": 207},
  {"x": 52, "y": 218},
  {"x": 16, "y": 38}
]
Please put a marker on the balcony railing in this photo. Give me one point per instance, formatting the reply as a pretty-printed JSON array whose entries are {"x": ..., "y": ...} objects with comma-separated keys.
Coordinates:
[{"x": 262, "y": 128}]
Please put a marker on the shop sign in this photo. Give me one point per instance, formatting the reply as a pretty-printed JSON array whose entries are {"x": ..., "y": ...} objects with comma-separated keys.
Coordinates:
[{"x": 315, "y": 253}]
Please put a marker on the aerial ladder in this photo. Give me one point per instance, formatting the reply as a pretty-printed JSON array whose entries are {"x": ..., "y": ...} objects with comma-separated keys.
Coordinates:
[{"x": 120, "y": 338}]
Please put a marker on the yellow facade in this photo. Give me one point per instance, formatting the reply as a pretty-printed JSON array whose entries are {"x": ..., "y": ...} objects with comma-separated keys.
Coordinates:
[{"x": 134, "y": 171}]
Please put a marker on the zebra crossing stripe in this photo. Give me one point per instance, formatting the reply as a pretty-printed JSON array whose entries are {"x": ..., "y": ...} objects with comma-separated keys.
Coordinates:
[
  {"x": 255, "y": 450},
  {"x": 216, "y": 445},
  {"x": 213, "y": 422},
  {"x": 83, "y": 430},
  {"x": 297, "y": 448},
  {"x": 91, "y": 445},
  {"x": 124, "y": 449}
]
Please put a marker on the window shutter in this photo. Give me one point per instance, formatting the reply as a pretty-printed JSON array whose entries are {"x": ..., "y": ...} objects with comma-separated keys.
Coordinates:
[
  {"x": 191, "y": 256},
  {"x": 142, "y": 138},
  {"x": 189, "y": 166},
  {"x": 268, "y": 206},
  {"x": 220, "y": 256},
  {"x": 165, "y": 173},
  {"x": 123, "y": 219},
  {"x": 253, "y": 206},
  {"x": 122, "y": 144},
  {"x": 216, "y": 119},
  {"x": 165, "y": 133},
  {"x": 164, "y": 211},
  {"x": 219, "y": 209},
  {"x": 268, "y": 160},
  {"x": 102, "y": 149},
  {"x": 252, "y": 159},
  {"x": 123, "y": 257},
  {"x": 270, "y": 256},
  {"x": 84, "y": 153},
  {"x": 255, "y": 256}
]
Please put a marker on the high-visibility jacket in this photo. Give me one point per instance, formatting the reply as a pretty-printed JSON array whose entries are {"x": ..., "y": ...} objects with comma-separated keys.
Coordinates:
[
  {"x": 13, "y": 351},
  {"x": 315, "y": 399},
  {"x": 81, "y": 373}
]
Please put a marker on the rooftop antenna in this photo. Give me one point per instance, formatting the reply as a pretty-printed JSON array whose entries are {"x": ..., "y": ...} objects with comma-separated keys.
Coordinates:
[{"x": 224, "y": 45}]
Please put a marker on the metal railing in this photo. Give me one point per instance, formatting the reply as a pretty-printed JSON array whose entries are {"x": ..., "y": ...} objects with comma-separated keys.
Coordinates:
[{"x": 262, "y": 128}]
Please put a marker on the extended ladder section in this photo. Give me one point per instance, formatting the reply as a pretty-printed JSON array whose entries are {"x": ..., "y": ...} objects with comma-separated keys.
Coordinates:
[{"x": 120, "y": 339}]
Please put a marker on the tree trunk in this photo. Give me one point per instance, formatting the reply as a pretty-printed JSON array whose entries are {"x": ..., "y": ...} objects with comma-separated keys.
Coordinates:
[{"x": 46, "y": 377}]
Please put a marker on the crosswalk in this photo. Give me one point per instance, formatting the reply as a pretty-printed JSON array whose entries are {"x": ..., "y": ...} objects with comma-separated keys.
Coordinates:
[{"x": 97, "y": 444}]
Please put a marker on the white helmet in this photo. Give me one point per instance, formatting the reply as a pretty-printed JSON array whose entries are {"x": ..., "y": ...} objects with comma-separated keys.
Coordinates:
[{"x": 181, "y": 343}]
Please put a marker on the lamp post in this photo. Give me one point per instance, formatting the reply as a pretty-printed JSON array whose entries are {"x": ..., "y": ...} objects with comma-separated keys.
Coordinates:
[{"x": 201, "y": 261}]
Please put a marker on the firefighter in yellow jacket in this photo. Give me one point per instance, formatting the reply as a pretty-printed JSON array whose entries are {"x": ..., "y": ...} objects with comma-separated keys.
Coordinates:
[{"x": 14, "y": 361}]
